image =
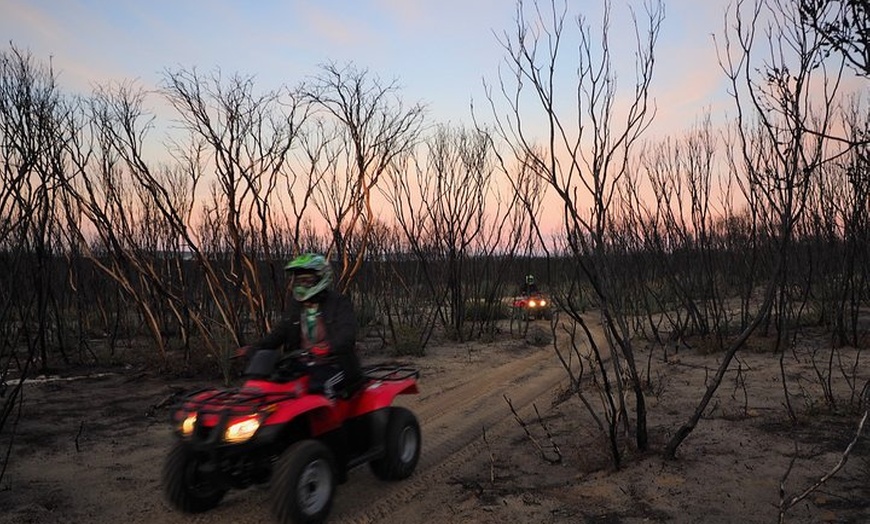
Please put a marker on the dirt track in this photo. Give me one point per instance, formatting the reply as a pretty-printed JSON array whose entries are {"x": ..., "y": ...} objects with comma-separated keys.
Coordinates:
[
  {"x": 94, "y": 451},
  {"x": 453, "y": 413}
]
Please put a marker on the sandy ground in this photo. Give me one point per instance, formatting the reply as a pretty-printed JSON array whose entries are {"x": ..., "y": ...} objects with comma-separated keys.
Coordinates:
[{"x": 90, "y": 450}]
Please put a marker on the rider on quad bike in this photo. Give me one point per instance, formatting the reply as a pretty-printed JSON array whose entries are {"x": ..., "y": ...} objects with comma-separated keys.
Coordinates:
[
  {"x": 531, "y": 304},
  {"x": 300, "y": 420},
  {"x": 321, "y": 321}
]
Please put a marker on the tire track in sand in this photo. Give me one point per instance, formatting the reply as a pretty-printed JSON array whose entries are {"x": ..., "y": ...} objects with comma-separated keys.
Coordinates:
[{"x": 451, "y": 424}]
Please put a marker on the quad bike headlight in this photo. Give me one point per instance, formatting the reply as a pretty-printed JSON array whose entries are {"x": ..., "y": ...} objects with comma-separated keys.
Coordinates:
[
  {"x": 533, "y": 303},
  {"x": 188, "y": 425},
  {"x": 242, "y": 429}
]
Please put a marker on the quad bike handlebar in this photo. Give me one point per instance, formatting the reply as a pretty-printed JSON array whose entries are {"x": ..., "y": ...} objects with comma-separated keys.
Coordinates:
[{"x": 268, "y": 362}]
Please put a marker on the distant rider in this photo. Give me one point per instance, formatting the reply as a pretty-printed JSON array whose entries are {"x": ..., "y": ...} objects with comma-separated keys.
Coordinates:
[{"x": 529, "y": 287}]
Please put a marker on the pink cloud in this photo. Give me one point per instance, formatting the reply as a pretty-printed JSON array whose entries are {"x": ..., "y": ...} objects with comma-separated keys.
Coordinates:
[
  {"x": 404, "y": 12},
  {"x": 22, "y": 18},
  {"x": 64, "y": 38},
  {"x": 337, "y": 30}
]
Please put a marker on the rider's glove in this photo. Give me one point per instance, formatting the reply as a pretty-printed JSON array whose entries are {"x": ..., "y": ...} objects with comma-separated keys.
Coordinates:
[
  {"x": 244, "y": 352},
  {"x": 320, "y": 350}
]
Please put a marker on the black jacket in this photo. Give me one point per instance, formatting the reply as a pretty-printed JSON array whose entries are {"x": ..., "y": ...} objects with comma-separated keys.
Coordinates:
[{"x": 338, "y": 316}]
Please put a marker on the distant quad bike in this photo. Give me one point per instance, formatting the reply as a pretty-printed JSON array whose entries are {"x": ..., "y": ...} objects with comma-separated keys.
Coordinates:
[
  {"x": 527, "y": 308},
  {"x": 532, "y": 307},
  {"x": 273, "y": 430}
]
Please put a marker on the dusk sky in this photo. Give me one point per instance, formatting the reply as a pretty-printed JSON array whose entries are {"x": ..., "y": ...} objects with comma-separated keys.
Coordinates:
[{"x": 439, "y": 52}]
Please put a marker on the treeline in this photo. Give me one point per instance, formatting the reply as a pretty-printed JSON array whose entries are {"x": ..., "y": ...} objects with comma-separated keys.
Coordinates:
[{"x": 116, "y": 224}]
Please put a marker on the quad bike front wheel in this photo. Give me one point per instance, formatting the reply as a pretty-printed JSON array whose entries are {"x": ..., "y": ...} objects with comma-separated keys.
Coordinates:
[
  {"x": 187, "y": 483},
  {"x": 303, "y": 483},
  {"x": 401, "y": 446},
  {"x": 519, "y": 323}
]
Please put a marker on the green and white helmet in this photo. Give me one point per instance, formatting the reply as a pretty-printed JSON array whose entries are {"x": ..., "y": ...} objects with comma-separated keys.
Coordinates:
[{"x": 309, "y": 264}]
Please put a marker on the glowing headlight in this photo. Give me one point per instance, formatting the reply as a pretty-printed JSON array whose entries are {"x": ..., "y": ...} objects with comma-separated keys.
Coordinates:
[
  {"x": 242, "y": 429},
  {"x": 532, "y": 303},
  {"x": 543, "y": 303},
  {"x": 188, "y": 424}
]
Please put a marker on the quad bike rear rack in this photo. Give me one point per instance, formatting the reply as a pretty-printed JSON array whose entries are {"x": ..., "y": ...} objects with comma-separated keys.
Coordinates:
[{"x": 389, "y": 372}]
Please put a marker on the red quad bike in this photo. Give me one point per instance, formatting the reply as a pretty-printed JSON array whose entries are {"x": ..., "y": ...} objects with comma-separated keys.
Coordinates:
[
  {"x": 273, "y": 430},
  {"x": 532, "y": 307}
]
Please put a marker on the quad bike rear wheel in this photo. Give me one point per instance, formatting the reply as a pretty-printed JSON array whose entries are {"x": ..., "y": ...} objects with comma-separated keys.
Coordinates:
[
  {"x": 303, "y": 483},
  {"x": 401, "y": 446},
  {"x": 186, "y": 481}
]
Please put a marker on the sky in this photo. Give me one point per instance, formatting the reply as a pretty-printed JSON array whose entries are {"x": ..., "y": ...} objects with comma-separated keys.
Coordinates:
[{"x": 439, "y": 52}]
